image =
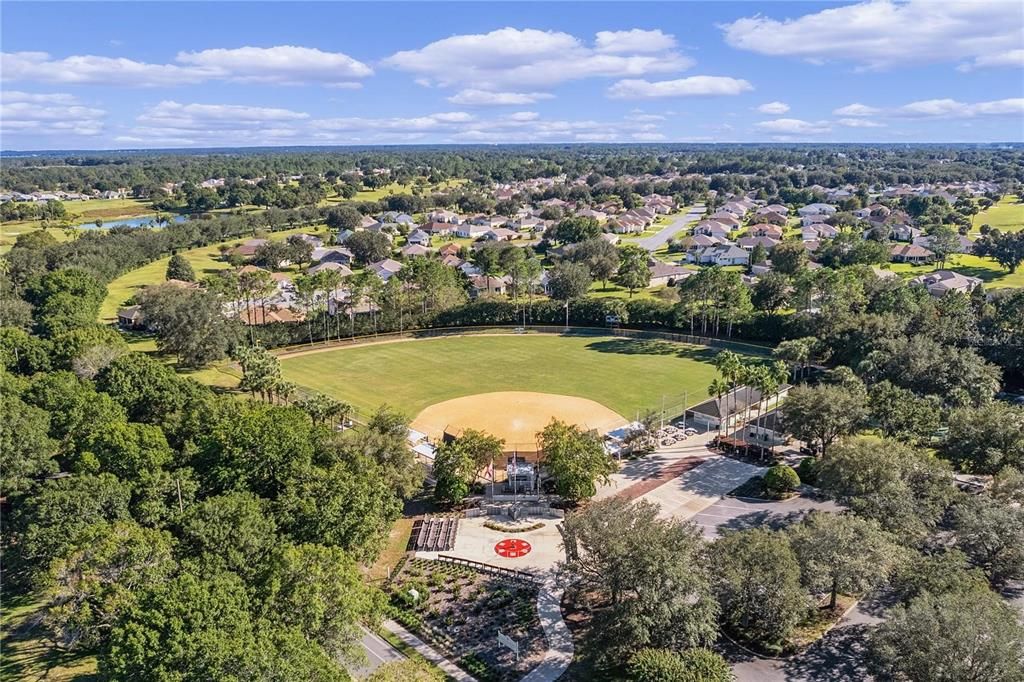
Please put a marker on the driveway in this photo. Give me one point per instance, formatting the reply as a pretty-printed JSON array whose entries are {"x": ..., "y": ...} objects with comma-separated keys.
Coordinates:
[
  {"x": 676, "y": 224},
  {"x": 737, "y": 513}
]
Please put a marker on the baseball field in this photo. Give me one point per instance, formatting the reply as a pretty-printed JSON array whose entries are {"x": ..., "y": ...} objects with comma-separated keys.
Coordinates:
[{"x": 626, "y": 376}]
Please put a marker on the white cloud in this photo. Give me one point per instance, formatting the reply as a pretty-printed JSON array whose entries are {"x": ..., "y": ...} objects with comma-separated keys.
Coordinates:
[
  {"x": 694, "y": 86},
  {"x": 794, "y": 126},
  {"x": 882, "y": 33},
  {"x": 773, "y": 108},
  {"x": 951, "y": 108},
  {"x": 509, "y": 58},
  {"x": 40, "y": 114},
  {"x": 859, "y": 123},
  {"x": 648, "y": 137},
  {"x": 641, "y": 116},
  {"x": 171, "y": 123},
  {"x": 636, "y": 40},
  {"x": 93, "y": 70},
  {"x": 37, "y": 98},
  {"x": 1013, "y": 58},
  {"x": 523, "y": 116},
  {"x": 857, "y": 109},
  {"x": 484, "y": 98},
  {"x": 283, "y": 64}
]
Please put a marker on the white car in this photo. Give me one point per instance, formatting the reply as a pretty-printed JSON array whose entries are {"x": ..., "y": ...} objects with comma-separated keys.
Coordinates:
[{"x": 691, "y": 432}]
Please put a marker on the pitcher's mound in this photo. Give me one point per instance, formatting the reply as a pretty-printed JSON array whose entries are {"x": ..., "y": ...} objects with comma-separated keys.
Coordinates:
[{"x": 516, "y": 416}]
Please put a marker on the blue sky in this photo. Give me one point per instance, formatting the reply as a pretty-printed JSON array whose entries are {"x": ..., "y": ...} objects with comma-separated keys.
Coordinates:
[{"x": 94, "y": 75}]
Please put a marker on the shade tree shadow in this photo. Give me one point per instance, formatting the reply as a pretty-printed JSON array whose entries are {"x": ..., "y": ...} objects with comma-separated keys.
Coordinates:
[{"x": 840, "y": 656}]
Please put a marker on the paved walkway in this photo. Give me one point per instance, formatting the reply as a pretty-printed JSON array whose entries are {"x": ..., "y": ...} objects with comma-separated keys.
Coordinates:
[
  {"x": 676, "y": 225},
  {"x": 428, "y": 652},
  {"x": 560, "y": 647}
]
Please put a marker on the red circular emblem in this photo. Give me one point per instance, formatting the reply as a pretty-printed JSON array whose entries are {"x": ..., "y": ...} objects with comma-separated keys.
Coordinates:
[{"x": 512, "y": 548}]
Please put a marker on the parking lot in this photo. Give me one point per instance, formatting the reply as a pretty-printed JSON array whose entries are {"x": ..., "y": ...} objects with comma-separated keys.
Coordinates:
[{"x": 735, "y": 513}]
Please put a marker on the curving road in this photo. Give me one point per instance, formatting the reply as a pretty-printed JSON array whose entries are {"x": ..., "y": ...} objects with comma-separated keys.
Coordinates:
[{"x": 677, "y": 223}]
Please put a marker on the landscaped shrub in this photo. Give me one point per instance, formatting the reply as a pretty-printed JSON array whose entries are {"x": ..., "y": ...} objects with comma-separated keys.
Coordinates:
[
  {"x": 808, "y": 470},
  {"x": 657, "y": 665},
  {"x": 780, "y": 480},
  {"x": 693, "y": 665},
  {"x": 504, "y": 528},
  {"x": 704, "y": 665}
]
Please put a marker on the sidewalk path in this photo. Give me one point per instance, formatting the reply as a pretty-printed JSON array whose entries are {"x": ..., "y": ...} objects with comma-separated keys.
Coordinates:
[
  {"x": 560, "y": 647},
  {"x": 428, "y": 652}
]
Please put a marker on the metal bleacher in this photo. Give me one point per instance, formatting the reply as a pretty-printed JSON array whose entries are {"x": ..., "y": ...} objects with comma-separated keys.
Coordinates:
[{"x": 435, "y": 534}]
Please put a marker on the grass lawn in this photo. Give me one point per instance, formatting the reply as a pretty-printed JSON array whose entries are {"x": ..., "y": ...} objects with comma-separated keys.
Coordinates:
[
  {"x": 986, "y": 269},
  {"x": 1007, "y": 215},
  {"x": 623, "y": 374},
  {"x": 108, "y": 209},
  {"x": 9, "y": 233},
  {"x": 615, "y": 291},
  {"x": 29, "y": 655},
  {"x": 205, "y": 260}
]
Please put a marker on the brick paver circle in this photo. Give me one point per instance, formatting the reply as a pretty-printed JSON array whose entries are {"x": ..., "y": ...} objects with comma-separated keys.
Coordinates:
[{"x": 512, "y": 548}]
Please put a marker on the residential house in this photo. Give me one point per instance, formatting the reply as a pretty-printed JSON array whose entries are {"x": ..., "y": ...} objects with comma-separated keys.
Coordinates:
[
  {"x": 265, "y": 314},
  {"x": 818, "y": 231},
  {"x": 247, "y": 249},
  {"x": 340, "y": 268},
  {"x": 766, "y": 230},
  {"x": 385, "y": 269},
  {"x": 727, "y": 219},
  {"x": 778, "y": 209},
  {"x": 444, "y": 216},
  {"x": 904, "y": 233},
  {"x": 667, "y": 274},
  {"x": 722, "y": 254},
  {"x": 481, "y": 285},
  {"x": 414, "y": 251},
  {"x": 501, "y": 234},
  {"x": 451, "y": 260},
  {"x": 748, "y": 243},
  {"x": 528, "y": 223},
  {"x": 311, "y": 239},
  {"x": 816, "y": 209},
  {"x": 612, "y": 239},
  {"x": 964, "y": 245},
  {"x": 131, "y": 317},
  {"x": 941, "y": 282},
  {"x": 370, "y": 223},
  {"x": 470, "y": 230},
  {"x": 332, "y": 254},
  {"x": 712, "y": 228},
  {"x": 911, "y": 253},
  {"x": 450, "y": 249},
  {"x": 773, "y": 218},
  {"x": 438, "y": 228},
  {"x": 418, "y": 237}
]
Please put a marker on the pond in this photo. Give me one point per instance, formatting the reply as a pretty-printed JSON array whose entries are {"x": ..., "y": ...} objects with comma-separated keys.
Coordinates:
[{"x": 141, "y": 221}]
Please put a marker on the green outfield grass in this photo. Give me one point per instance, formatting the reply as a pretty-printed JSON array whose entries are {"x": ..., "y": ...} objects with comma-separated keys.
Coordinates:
[
  {"x": 623, "y": 374},
  {"x": 1007, "y": 215},
  {"x": 205, "y": 260}
]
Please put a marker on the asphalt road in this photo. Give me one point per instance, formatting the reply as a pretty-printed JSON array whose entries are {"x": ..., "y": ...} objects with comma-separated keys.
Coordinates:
[
  {"x": 677, "y": 224},
  {"x": 378, "y": 652}
]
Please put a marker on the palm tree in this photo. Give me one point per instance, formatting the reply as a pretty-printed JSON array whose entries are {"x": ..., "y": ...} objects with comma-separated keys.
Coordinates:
[
  {"x": 729, "y": 366},
  {"x": 718, "y": 388}
]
